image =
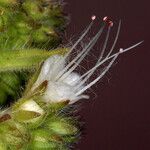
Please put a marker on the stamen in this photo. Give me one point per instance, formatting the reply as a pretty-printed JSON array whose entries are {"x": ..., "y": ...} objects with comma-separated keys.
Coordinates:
[
  {"x": 105, "y": 44},
  {"x": 121, "y": 50},
  {"x": 98, "y": 78},
  {"x": 105, "y": 18},
  {"x": 115, "y": 41},
  {"x": 89, "y": 74},
  {"x": 131, "y": 47},
  {"x": 82, "y": 54},
  {"x": 83, "y": 35},
  {"x": 74, "y": 46},
  {"x": 101, "y": 55},
  {"x": 108, "y": 21},
  {"x": 92, "y": 70},
  {"x": 93, "y": 17}
]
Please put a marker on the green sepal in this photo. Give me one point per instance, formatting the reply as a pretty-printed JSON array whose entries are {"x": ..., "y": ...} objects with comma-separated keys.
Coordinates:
[
  {"x": 32, "y": 80},
  {"x": 71, "y": 138},
  {"x": 44, "y": 139},
  {"x": 54, "y": 108},
  {"x": 61, "y": 126},
  {"x": 37, "y": 92},
  {"x": 24, "y": 115}
]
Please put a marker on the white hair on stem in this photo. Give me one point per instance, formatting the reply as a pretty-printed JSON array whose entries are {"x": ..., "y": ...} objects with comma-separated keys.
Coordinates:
[{"x": 63, "y": 82}]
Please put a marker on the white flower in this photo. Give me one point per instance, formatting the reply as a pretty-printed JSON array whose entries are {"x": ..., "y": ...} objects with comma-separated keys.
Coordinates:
[
  {"x": 63, "y": 82},
  {"x": 62, "y": 89}
]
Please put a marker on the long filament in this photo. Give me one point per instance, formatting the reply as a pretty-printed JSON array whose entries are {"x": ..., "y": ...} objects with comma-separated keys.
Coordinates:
[
  {"x": 73, "y": 47},
  {"x": 105, "y": 43},
  {"x": 116, "y": 39},
  {"x": 98, "y": 78},
  {"x": 100, "y": 57},
  {"x": 91, "y": 71},
  {"x": 82, "y": 54}
]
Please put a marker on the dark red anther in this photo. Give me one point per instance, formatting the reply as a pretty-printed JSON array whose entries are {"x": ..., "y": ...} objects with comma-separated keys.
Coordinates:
[{"x": 108, "y": 21}]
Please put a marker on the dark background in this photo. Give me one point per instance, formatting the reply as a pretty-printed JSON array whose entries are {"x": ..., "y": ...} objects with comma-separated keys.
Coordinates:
[{"x": 118, "y": 118}]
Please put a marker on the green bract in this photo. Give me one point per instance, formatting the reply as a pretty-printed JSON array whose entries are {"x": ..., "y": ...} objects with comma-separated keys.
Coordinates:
[{"x": 16, "y": 60}]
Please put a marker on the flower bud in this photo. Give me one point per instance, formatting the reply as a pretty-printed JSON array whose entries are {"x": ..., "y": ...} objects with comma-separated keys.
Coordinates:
[
  {"x": 28, "y": 111},
  {"x": 42, "y": 139},
  {"x": 62, "y": 127}
]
